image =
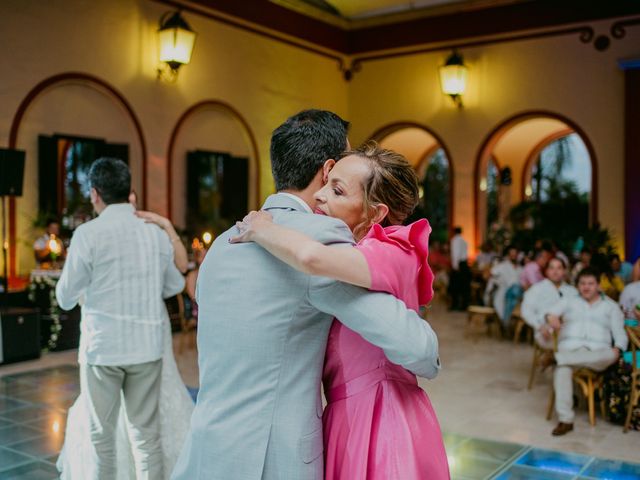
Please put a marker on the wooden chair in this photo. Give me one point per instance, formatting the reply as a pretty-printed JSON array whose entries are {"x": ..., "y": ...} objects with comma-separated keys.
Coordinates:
[
  {"x": 482, "y": 317},
  {"x": 538, "y": 354},
  {"x": 520, "y": 325},
  {"x": 634, "y": 395},
  {"x": 589, "y": 382}
]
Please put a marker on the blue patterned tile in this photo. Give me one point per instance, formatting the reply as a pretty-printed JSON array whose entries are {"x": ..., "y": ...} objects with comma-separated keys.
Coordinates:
[
  {"x": 489, "y": 450},
  {"x": 43, "y": 447},
  {"x": 562, "y": 462},
  {"x": 31, "y": 471},
  {"x": 613, "y": 470},
  {"x": 7, "y": 403},
  {"x": 472, "y": 468},
  {"x": 10, "y": 459},
  {"x": 25, "y": 414},
  {"x": 16, "y": 433},
  {"x": 452, "y": 440},
  {"x": 523, "y": 472}
]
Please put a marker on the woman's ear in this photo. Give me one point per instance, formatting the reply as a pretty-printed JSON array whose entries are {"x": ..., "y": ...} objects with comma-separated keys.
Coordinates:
[
  {"x": 326, "y": 168},
  {"x": 380, "y": 212}
]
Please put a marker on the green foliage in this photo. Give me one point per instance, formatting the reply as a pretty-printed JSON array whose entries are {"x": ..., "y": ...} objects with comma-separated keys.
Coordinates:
[
  {"x": 557, "y": 210},
  {"x": 434, "y": 204}
]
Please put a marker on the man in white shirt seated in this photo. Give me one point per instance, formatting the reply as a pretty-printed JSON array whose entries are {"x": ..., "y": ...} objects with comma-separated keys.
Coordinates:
[
  {"x": 541, "y": 296},
  {"x": 587, "y": 324},
  {"x": 123, "y": 268}
]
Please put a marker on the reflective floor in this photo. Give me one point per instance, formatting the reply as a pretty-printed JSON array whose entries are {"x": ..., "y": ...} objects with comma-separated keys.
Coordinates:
[{"x": 32, "y": 421}]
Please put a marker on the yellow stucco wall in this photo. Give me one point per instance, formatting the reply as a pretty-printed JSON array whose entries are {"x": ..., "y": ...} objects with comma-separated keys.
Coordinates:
[
  {"x": 558, "y": 74},
  {"x": 266, "y": 81}
]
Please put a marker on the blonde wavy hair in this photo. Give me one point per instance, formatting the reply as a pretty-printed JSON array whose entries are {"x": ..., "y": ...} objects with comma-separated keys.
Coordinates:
[{"x": 392, "y": 181}]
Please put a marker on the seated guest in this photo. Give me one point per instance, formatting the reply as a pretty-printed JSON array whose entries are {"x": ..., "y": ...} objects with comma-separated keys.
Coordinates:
[
  {"x": 587, "y": 324},
  {"x": 532, "y": 272},
  {"x": 486, "y": 257},
  {"x": 623, "y": 270},
  {"x": 543, "y": 295},
  {"x": 49, "y": 246},
  {"x": 584, "y": 261},
  {"x": 556, "y": 252},
  {"x": 610, "y": 284},
  {"x": 635, "y": 275},
  {"x": 503, "y": 276},
  {"x": 629, "y": 300}
]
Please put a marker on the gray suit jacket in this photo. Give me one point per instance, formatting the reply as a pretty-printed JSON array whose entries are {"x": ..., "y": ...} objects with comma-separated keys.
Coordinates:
[{"x": 262, "y": 335}]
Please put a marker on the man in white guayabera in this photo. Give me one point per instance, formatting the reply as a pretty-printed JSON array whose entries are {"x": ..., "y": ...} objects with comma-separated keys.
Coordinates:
[
  {"x": 123, "y": 267},
  {"x": 591, "y": 335}
]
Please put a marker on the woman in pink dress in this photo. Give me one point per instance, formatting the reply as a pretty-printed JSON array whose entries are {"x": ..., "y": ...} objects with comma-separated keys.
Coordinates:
[{"x": 378, "y": 423}]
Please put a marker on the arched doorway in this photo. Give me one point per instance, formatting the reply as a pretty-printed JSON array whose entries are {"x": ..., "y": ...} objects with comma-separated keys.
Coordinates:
[
  {"x": 428, "y": 154},
  {"x": 212, "y": 133},
  {"x": 540, "y": 150},
  {"x": 69, "y": 103}
]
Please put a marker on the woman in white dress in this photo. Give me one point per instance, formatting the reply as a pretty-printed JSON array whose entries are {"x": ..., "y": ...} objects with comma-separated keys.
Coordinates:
[{"x": 175, "y": 406}]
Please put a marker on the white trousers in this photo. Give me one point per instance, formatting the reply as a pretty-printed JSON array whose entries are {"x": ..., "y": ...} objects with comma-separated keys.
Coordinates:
[
  {"x": 139, "y": 387},
  {"x": 567, "y": 360}
]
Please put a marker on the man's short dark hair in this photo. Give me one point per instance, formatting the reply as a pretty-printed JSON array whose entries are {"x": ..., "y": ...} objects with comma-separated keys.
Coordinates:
[
  {"x": 588, "y": 272},
  {"x": 556, "y": 259},
  {"x": 457, "y": 230},
  {"x": 111, "y": 179},
  {"x": 50, "y": 221},
  {"x": 509, "y": 247},
  {"x": 301, "y": 145}
]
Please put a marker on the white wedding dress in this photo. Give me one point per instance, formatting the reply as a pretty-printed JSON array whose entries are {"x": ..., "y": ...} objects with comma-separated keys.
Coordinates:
[{"x": 175, "y": 411}]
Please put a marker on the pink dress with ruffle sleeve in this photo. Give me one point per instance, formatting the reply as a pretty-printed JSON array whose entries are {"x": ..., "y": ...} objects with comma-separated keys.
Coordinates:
[{"x": 379, "y": 424}]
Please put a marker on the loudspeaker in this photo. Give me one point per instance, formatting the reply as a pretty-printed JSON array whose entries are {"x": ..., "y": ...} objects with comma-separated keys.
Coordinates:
[
  {"x": 20, "y": 332},
  {"x": 11, "y": 172}
]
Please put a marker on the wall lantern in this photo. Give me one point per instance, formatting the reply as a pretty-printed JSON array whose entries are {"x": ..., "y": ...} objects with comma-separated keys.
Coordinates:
[
  {"x": 176, "y": 44},
  {"x": 453, "y": 77}
]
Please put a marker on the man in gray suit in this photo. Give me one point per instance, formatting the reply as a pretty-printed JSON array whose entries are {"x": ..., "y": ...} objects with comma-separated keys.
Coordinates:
[{"x": 263, "y": 329}]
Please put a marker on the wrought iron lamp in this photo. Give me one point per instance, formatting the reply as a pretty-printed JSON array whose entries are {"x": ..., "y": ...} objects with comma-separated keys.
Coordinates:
[
  {"x": 176, "y": 44},
  {"x": 453, "y": 77}
]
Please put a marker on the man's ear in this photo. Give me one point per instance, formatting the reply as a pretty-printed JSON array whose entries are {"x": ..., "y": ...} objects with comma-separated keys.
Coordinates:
[
  {"x": 93, "y": 193},
  {"x": 326, "y": 168},
  {"x": 381, "y": 212}
]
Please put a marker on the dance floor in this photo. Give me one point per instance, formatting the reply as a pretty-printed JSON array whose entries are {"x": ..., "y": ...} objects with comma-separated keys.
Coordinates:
[{"x": 33, "y": 409}]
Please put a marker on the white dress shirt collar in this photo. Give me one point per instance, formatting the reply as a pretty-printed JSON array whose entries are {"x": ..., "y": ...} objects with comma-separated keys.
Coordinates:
[
  {"x": 117, "y": 209},
  {"x": 302, "y": 203}
]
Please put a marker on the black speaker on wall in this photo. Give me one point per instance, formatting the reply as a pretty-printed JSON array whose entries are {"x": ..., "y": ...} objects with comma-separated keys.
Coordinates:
[{"x": 11, "y": 172}]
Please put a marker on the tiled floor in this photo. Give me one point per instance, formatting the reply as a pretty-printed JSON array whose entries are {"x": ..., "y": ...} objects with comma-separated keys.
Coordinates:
[
  {"x": 33, "y": 409},
  {"x": 32, "y": 421},
  {"x": 480, "y": 397},
  {"x": 472, "y": 458}
]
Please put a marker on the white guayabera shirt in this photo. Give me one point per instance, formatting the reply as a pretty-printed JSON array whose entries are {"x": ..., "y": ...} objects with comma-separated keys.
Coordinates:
[
  {"x": 124, "y": 269},
  {"x": 540, "y": 297},
  {"x": 590, "y": 325}
]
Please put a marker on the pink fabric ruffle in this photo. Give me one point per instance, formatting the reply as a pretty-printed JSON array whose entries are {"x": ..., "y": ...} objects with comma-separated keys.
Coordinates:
[{"x": 413, "y": 237}]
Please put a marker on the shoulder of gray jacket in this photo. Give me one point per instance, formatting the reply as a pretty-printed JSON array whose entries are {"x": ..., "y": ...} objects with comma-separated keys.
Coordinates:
[{"x": 327, "y": 230}]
